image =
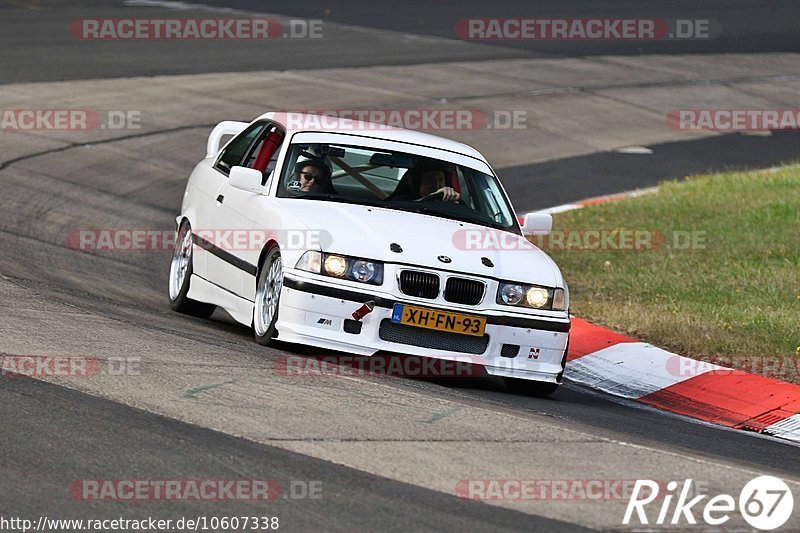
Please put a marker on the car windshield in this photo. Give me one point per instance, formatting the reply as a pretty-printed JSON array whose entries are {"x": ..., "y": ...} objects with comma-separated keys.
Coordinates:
[{"x": 394, "y": 180}]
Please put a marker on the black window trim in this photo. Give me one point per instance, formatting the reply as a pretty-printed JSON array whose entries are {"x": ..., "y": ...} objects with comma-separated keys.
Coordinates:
[{"x": 264, "y": 124}]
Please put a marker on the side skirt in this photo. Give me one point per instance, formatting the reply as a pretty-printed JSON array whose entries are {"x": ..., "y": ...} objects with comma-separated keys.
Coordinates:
[{"x": 239, "y": 308}]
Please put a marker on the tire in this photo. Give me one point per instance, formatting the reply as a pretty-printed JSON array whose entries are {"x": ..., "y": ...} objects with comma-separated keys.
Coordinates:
[
  {"x": 180, "y": 274},
  {"x": 527, "y": 387},
  {"x": 268, "y": 293}
]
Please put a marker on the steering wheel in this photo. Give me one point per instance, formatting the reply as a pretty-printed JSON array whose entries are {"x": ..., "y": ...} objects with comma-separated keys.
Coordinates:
[{"x": 439, "y": 196}]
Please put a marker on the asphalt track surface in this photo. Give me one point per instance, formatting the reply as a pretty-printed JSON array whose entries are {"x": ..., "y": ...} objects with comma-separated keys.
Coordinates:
[
  {"x": 53, "y": 435},
  {"x": 554, "y": 183},
  {"x": 89, "y": 438},
  {"x": 36, "y": 46}
]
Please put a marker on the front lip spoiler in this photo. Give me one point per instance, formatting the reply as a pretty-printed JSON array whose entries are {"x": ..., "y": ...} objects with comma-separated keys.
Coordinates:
[{"x": 388, "y": 303}]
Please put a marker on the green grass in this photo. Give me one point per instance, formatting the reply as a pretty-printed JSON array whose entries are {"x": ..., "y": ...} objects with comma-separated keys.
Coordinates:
[{"x": 736, "y": 293}]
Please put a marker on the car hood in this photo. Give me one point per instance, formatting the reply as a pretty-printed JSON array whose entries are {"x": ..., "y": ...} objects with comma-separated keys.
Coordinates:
[{"x": 368, "y": 232}]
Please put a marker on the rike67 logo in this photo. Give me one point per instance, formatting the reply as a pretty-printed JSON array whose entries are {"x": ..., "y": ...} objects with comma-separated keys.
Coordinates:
[{"x": 765, "y": 503}]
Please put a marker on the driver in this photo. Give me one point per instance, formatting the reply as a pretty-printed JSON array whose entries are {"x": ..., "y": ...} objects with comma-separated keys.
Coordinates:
[{"x": 434, "y": 181}]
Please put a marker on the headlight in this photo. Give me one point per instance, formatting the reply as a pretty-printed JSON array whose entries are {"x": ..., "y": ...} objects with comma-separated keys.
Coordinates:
[
  {"x": 342, "y": 266},
  {"x": 511, "y": 294},
  {"x": 363, "y": 270},
  {"x": 536, "y": 297},
  {"x": 335, "y": 265},
  {"x": 522, "y": 295}
]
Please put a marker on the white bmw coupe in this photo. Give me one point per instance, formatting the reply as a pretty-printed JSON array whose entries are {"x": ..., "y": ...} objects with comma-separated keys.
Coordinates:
[{"x": 362, "y": 238}]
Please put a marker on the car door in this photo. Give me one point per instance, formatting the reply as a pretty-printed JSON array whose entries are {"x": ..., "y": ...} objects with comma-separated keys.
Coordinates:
[
  {"x": 211, "y": 221},
  {"x": 233, "y": 264}
]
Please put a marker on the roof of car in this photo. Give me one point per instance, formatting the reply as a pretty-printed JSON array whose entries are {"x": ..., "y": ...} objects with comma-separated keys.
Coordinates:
[{"x": 307, "y": 122}]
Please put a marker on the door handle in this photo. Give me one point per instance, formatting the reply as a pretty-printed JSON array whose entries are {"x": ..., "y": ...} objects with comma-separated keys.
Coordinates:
[{"x": 220, "y": 198}]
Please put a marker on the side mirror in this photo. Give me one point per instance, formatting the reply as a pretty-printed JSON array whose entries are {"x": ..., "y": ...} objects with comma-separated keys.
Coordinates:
[
  {"x": 228, "y": 127},
  {"x": 246, "y": 179},
  {"x": 537, "y": 224}
]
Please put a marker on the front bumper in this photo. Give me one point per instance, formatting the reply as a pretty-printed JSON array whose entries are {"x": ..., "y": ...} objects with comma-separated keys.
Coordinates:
[{"x": 313, "y": 312}]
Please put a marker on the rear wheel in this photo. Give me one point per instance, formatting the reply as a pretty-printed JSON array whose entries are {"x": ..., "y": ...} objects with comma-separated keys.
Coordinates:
[
  {"x": 180, "y": 273},
  {"x": 268, "y": 293}
]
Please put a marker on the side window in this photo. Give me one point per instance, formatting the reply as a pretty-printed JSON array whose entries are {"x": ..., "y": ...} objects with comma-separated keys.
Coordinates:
[{"x": 235, "y": 151}]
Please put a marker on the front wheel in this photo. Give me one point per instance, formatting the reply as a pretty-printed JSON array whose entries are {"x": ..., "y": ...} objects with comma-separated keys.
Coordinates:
[
  {"x": 527, "y": 387},
  {"x": 268, "y": 293},
  {"x": 180, "y": 273}
]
